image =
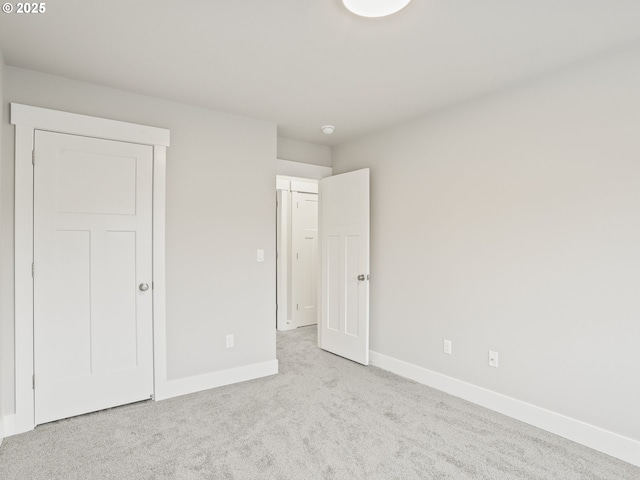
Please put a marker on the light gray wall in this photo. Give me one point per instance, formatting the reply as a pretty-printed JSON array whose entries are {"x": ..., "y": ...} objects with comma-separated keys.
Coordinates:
[
  {"x": 512, "y": 223},
  {"x": 2, "y": 266},
  {"x": 297, "y": 151},
  {"x": 220, "y": 209},
  {"x": 6, "y": 262}
]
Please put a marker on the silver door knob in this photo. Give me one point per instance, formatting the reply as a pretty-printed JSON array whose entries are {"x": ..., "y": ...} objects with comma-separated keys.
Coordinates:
[
  {"x": 144, "y": 287},
  {"x": 361, "y": 278}
]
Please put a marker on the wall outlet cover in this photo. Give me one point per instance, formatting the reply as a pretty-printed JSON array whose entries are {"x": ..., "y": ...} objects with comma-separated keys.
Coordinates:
[{"x": 493, "y": 359}]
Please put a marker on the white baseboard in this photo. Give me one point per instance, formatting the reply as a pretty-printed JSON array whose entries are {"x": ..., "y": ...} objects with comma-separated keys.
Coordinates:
[
  {"x": 624, "y": 448},
  {"x": 286, "y": 327},
  {"x": 184, "y": 386}
]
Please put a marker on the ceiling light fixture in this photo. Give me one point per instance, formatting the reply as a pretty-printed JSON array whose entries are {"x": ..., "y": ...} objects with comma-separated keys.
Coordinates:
[
  {"x": 327, "y": 129},
  {"x": 375, "y": 8}
]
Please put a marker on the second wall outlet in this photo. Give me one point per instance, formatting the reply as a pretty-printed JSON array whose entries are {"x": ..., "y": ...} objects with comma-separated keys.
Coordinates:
[
  {"x": 446, "y": 346},
  {"x": 229, "y": 341}
]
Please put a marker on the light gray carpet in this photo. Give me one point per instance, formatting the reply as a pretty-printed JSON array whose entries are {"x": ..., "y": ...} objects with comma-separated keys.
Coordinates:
[{"x": 322, "y": 417}]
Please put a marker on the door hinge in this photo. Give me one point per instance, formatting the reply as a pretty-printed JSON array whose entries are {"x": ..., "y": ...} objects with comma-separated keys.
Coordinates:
[
  {"x": 297, "y": 256},
  {"x": 33, "y": 270},
  {"x": 297, "y": 307},
  {"x": 33, "y": 157},
  {"x": 33, "y": 382}
]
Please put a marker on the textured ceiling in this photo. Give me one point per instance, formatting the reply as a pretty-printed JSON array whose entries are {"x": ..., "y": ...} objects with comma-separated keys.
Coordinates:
[{"x": 306, "y": 63}]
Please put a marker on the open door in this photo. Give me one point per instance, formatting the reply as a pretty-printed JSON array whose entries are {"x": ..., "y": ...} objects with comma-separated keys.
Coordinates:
[{"x": 344, "y": 291}]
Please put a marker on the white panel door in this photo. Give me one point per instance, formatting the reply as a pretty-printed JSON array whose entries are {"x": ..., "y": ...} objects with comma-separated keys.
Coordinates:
[
  {"x": 304, "y": 233},
  {"x": 92, "y": 263},
  {"x": 344, "y": 233}
]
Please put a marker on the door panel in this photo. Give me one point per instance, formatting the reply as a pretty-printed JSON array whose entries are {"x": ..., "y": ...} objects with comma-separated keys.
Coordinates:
[
  {"x": 331, "y": 262},
  {"x": 92, "y": 247},
  {"x": 352, "y": 287},
  {"x": 344, "y": 233},
  {"x": 105, "y": 186},
  {"x": 119, "y": 327},
  {"x": 73, "y": 303}
]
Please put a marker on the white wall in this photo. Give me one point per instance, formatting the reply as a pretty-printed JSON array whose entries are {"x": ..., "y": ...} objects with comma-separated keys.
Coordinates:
[
  {"x": 297, "y": 151},
  {"x": 2, "y": 109},
  {"x": 512, "y": 223},
  {"x": 220, "y": 175}
]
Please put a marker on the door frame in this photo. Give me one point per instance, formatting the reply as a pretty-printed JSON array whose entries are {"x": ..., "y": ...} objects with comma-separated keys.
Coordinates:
[
  {"x": 286, "y": 172},
  {"x": 285, "y": 187},
  {"x": 27, "y": 119}
]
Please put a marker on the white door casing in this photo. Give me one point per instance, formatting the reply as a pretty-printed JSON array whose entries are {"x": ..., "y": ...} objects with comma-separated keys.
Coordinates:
[
  {"x": 92, "y": 249},
  {"x": 27, "y": 119},
  {"x": 285, "y": 187},
  {"x": 283, "y": 296},
  {"x": 344, "y": 234},
  {"x": 304, "y": 239}
]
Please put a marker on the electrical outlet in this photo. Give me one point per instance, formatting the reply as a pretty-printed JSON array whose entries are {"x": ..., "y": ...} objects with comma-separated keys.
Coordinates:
[
  {"x": 446, "y": 346},
  {"x": 229, "y": 341},
  {"x": 493, "y": 359},
  {"x": 260, "y": 255}
]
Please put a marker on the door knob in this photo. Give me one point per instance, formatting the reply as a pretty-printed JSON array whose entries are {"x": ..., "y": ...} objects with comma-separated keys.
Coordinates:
[
  {"x": 144, "y": 287},
  {"x": 361, "y": 278}
]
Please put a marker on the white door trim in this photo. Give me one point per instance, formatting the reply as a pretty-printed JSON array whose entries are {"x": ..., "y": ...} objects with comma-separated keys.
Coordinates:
[
  {"x": 27, "y": 119},
  {"x": 283, "y": 240},
  {"x": 303, "y": 170}
]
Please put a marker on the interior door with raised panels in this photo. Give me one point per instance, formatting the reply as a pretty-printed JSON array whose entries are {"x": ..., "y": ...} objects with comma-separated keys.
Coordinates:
[
  {"x": 92, "y": 274},
  {"x": 304, "y": 245},
  {"x": 344, "y": 234}
]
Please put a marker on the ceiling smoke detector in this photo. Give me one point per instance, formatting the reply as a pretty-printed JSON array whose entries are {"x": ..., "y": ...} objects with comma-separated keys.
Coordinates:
[
  {"x": 327, "y": 129},
  {"x": 375, "y": 8}
]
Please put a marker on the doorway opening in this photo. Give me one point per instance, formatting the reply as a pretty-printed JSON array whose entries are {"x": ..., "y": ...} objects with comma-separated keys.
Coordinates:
[
  {"x": 302, "y": 181},
  {"x": 297, "y": 252},
  {"x": 322, "y": 267}
]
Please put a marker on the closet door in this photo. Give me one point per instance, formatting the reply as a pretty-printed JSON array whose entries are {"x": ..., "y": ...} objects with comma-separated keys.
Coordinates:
[
  {"x": 304, "y": 233},
  {"x": 92, "y": 274}
]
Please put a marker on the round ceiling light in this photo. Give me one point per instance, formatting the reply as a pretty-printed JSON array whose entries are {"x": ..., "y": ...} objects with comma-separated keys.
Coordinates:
[
  {"x": 327, "y": 129},
  {"x": 375, "y": 8}
]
